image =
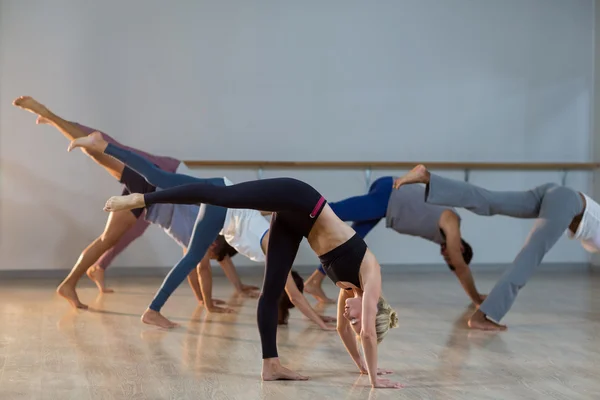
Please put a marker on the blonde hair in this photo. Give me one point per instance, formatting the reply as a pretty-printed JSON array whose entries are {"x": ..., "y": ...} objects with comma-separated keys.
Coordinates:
[{"x": 386, "y": 319}]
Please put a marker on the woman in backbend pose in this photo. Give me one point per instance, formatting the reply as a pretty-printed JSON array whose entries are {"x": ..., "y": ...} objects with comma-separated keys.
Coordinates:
[
  {"x": 124, "y": 227},
  {"x": 556, "y": 209},
  {"x": 298, "y": 211}
]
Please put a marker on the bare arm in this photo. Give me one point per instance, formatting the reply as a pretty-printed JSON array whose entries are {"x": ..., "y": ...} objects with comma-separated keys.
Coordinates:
[
  {"x": 368, "y": 336},
  {"x": 205, "y": 274},
  {"x": 461, "y": 269},
  {"x": 235, "y": 280},
  {"x": 231, "y": 273},
  {"x": 345, "y": 331},
  {"x": 298, "y": 299}
]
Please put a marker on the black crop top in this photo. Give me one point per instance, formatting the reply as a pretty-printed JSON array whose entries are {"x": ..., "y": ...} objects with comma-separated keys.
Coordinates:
[{"x": 342, "y": 264}]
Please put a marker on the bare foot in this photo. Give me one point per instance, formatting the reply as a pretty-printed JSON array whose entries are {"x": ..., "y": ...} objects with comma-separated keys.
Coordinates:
[
  {"x": 92, "y": 142},
  {"x": 317, "y": 292},
  {"x": 418, "y": 174},
  {"x": 129, "y": 202},
  {"x": 272, "y": 370},
  {"x": 30, "y": 104},
  {"x": 152, "y": 317},
  {"x": 215, "y": 302},
  {"x": 219, "y": 310},
  {"x": 69, "y": 293},
  {"x": 479, "y": 321},
  {"x": 249, "y": 288},
  {"x": 96, "y": 274}
]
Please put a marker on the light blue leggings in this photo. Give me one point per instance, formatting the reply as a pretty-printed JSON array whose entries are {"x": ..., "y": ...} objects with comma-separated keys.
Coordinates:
[{"x": 206, "y": 229}]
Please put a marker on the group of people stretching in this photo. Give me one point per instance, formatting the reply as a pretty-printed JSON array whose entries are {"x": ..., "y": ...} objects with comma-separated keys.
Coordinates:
[{"x": 213, "y": 218}]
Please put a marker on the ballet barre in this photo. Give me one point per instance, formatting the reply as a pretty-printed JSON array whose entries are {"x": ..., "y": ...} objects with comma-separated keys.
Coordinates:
[{"x": 369, "y": 166}]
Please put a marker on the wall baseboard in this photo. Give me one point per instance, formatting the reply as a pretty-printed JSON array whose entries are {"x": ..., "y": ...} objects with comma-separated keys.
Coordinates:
[{"x": 305, "y": 270}]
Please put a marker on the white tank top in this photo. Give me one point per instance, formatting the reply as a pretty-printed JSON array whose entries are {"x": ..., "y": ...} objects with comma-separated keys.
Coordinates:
[
  {"x": 588, "y": 231},
  {"x": 244, "y": 229}
]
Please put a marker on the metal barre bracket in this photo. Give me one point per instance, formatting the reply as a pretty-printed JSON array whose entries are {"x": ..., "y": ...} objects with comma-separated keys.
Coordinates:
[
  {"x": 367, "y": 178},
  {"x": 564, "y": 177},
  {"x": 259, "y": 173},
  {"x": 467, "y": 174}
]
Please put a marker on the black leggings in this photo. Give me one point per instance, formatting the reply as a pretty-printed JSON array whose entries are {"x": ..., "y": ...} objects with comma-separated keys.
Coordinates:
[{"x": 296, "y": 206}]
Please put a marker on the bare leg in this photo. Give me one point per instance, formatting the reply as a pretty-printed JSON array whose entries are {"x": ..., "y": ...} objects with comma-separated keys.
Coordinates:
[
  {"x": 96, "y": 272},
  {"x": 116, "y": 226},
  {"x": 69, "y": 130},
  {"x": 313, "y": 286}
]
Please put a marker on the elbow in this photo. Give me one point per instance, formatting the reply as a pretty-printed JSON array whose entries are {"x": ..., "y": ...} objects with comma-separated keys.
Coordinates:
[
  {"x": 367, "y": 335},
  {"x": 460, "y": 269},
  {"x": 295, "y": 299},
  {"x": 341, "y": 326}
]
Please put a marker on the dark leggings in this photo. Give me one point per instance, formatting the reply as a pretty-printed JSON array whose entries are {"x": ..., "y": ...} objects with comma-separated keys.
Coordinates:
[
  {"x": 206, "y": 229},
  {"x": 296, "y": 206}
]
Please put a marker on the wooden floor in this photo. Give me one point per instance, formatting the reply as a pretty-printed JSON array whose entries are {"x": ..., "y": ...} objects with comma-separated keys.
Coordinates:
[{"x": 551, "y": 350}]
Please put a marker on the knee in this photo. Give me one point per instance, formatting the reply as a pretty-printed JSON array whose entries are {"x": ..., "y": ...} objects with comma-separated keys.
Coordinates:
[
  {"x": 268, "y": 298},
  {"x": 110, "y": 238},
  {"x": 561, "y": 195}
]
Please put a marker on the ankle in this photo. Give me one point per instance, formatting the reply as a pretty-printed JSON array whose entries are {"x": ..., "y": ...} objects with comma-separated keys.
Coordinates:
[{"x": 271, "y": 362}]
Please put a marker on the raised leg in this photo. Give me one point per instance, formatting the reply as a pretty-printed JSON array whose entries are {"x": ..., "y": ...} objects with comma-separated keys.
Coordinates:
[
  {"x": 454, "y": 193},
  {"x": 273, "y": 195},
  {"x": 156, "y": 176},
  {"x": 371, "y": 206}
]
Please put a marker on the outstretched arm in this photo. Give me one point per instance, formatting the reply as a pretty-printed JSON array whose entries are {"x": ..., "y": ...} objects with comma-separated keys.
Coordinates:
[
  {"x": 461, "y": 269},
  {"x": 234, "y": 278},
  {"x": 298, "y": 299},
  {"x": 205, "y": 275},
  {"x": 345, "y": 331},
  {"x": 370, "y": 274}
]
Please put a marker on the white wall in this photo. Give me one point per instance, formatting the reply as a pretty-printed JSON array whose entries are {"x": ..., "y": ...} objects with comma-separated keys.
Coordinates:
[
  {"x": 458, "y": 80},
  {"x": 595, "y": 139}
]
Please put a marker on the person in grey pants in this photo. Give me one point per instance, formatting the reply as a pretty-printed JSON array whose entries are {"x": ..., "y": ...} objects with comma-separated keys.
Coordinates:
[{"x": 555, "y": 208}]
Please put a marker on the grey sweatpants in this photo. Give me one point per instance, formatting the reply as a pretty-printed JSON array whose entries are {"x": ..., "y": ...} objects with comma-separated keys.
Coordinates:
[{"x": 553, "y": 207}]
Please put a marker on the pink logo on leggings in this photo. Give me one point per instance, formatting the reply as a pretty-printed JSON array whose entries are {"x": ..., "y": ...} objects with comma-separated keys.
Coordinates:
[{"x": 317, "y": 207}]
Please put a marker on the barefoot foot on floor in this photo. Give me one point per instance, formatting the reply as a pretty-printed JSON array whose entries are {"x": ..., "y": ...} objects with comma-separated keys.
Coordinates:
[
  {"x": 155, "y": 318},
  {"x": 96, "y": 274},
  {"x": 68, "y": 292},
  {"x": 273, "y": 371},
  {"x": 479, "y": 321}
]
